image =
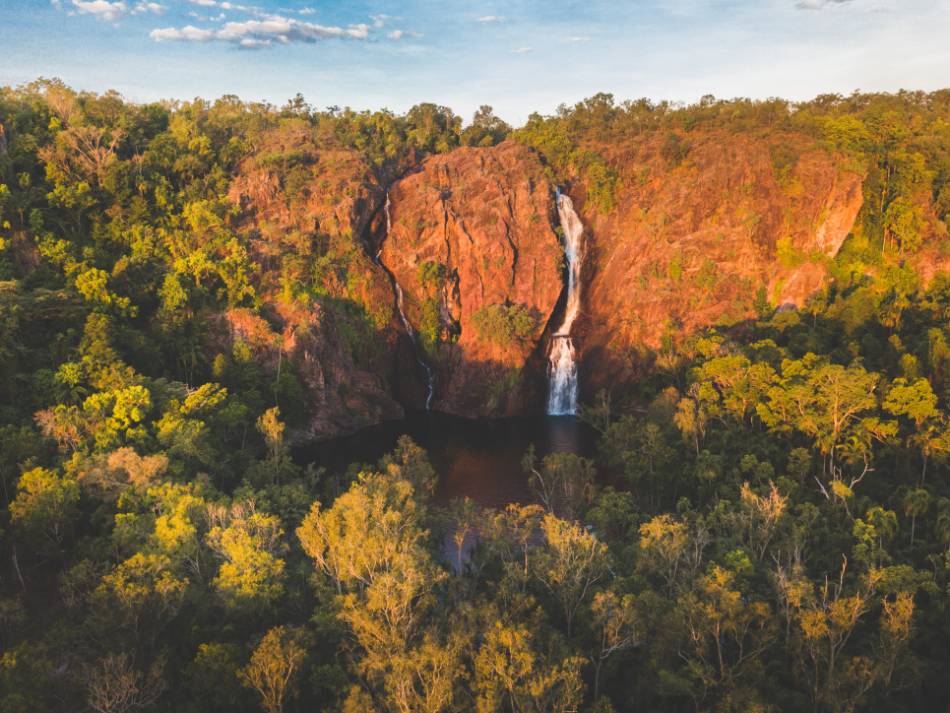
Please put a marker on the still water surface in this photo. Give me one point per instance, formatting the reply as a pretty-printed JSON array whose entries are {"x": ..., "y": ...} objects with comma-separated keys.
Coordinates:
[{"x": 478, "y": 459}]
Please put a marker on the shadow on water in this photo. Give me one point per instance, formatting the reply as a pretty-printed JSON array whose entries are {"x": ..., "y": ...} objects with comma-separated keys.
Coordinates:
[{"x": 478, "y": 459}]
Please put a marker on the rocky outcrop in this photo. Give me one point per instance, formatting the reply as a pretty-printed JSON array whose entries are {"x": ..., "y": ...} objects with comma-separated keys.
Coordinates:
[
  {"x": 340, "y": 395},
  {"x": 697, "y": 240},
  {"x": 472, "y": 243},
  {"x": 696, "y": 237},
  {"x": 304, "y": 210},
  {"x": 932, "y": 258}
]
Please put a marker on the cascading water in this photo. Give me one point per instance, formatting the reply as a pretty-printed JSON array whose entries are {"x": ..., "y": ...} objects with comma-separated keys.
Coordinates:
[
  {"x": 562, "y": 361},
  {"x": 400, "y": 307}
]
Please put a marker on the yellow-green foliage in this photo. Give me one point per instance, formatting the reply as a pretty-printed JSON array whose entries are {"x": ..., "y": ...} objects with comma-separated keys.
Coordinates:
[
  {"x": 769, "y": 533},
  {"x": 505, "y": 324},
  {"x": 788, "y": 255}
]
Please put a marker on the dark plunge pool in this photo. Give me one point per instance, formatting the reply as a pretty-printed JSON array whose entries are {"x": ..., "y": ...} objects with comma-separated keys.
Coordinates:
[{"x": 478, "y": 459}]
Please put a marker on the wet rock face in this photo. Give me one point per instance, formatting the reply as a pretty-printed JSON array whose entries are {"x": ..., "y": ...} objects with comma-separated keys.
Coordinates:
[
  {"x": 472, "y": 243},
  {"x": 695, "y": 241}
]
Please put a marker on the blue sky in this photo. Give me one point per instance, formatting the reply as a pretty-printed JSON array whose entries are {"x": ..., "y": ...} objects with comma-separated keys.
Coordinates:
[{"x": 519, "y": 56}]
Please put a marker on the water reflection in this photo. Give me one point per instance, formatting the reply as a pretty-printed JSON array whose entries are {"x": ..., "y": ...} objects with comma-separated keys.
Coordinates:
[
  {"x": 477, "y": 459},
  {"x": 566, "y": 434}
]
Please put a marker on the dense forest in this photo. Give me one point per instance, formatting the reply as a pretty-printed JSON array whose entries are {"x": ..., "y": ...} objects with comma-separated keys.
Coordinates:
[{"x": 765, "y": 524}]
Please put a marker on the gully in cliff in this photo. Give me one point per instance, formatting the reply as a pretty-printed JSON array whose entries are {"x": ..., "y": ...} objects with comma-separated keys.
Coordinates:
[
  {"x": 400, "y": 308},
  {"x": 562, "y": 367}
]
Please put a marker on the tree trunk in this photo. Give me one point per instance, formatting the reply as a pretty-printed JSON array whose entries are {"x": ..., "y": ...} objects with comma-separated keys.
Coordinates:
[{"x": 600, "y": 662}]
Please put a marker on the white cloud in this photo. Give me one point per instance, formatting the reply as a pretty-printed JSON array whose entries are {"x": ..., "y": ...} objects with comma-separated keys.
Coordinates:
[
  {"x": 403, "y": 34},
  {"x": 252, "y": 34},
  {"x": 249, "y": 9},
  {"x": 522, "y": 50},
  {"x": 576, "y": 39},
  {"x": 225, "y": 5},
  {"x": 110, "y": 10},
  {"x": 818, "y": 4},
  {"x": 252, "y": 43},
  {"x": 380, "y": 22},
  {"x": 102, "y": 9},
  {"x": 488, "y": 19},
  {"x": 306, "y": 11},
  {"x": 188, "y": 33},
  {"x": 148, "y": 7}
]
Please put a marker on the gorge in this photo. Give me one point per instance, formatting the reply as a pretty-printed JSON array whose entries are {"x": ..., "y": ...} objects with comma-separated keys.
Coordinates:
[
  {"x": 472, "y": 241},
  {"x": 635, "y": 407},
  {"x": 475, "y": 256},
  {"x": 401, "y": 310}
]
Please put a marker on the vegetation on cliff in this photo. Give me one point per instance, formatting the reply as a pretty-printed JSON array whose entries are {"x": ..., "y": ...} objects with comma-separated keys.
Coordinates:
[{"x": 184, "y": 289}]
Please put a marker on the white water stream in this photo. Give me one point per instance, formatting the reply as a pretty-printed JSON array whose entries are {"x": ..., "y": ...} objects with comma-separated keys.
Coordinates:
[
  {"x": 562, "y": 366},
  {"x": 400, "y": 307}
]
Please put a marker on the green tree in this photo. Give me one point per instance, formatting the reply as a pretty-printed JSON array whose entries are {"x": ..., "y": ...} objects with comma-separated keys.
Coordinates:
[
  {"x": 563, "y": 481},
  {"x": 917, "y": 403},
  {"x": 838, "y": 408},
  {"x": 615, "y": 620},
  {"x": 727, "y": 629},
  {"x": 249, "y": 544},
  {"x": 365, "y": 531},
  {"x": 916, "y": 502},
  {"x": 272, "y": 428},
  {"x": 664, "y": 543},
  {"x": 274, "y": 665},
  {"x": 138, "y": 598},
  {"x": 510, "y": 674},
  {"x": 570, "y": 564},
  {"x": 486, "y": 129},
  {"x": 45, "y": 508}
]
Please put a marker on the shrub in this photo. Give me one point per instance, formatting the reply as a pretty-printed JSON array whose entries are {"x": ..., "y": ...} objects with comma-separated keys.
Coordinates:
[
  {"x": 674, "y": 149},
  {"x": 505, "y": 324}
]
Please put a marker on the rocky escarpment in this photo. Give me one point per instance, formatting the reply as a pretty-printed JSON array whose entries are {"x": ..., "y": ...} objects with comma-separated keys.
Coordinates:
[
  {"x": 704, "y": 233},
  {"x": 327, "y": 309},
  {"x": 471, "y": 243},
  {"x": 700, "y": 233}
]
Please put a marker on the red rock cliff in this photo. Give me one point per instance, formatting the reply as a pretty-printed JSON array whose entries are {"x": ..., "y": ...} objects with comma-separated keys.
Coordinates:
[
  {"x": 305, "y": 231},
  {"x": 473, "y": 246},
  {"x": 693, "y": 241}
]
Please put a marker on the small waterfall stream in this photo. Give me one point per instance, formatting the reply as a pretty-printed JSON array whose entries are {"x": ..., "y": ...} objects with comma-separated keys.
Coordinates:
[
  {"x": 400, "y": 307},
  {"x": 562, "y": 364}
]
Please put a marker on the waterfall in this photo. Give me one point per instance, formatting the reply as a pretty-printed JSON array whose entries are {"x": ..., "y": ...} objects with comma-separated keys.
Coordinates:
[
  {"x": 400, "y": 308},
  {"x": 562, "y": 367}
]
